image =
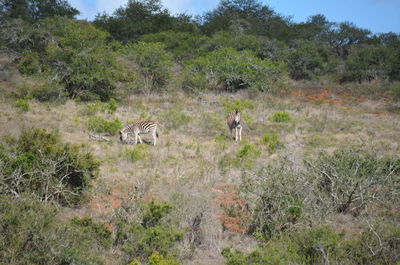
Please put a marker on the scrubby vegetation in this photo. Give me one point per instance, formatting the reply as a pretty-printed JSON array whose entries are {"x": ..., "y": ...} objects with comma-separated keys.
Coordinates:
[{"x": 314, "y": 181}]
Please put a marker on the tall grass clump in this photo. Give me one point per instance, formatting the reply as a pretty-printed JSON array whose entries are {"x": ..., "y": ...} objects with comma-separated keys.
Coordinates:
[
  {"x": 271, "y": 141},
  {"x": 139, "y": 152},
  {"x": 22, "y": 104},
  {"x": 280, "y": 116},
  {"x": 100, "y": 125},
  {"x": 150, "y": 233}
]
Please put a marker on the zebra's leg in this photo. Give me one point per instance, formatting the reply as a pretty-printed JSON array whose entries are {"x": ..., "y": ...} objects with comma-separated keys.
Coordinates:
[
  {"x": 140, "y": 139},
  {"x": 154, "y": 138},
  {"x": 236, "y": 134},
  {"x": 136, "y": 136},
  {"x": 240, "y": 133}
]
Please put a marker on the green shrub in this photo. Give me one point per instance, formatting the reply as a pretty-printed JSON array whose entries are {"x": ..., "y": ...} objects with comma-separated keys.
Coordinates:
[
  {"x": 247, "y": 155},
  {"x": 221, "y": 142},
  {"x": 154, "y": 232},
  {"x": 228, "y": 69},
  {"x": 52, "y": 92},
  {"x": 395, "y": 89},
  {"x": 38, "y": 163},
  {"x": 281, "y": 116},
  {"x": 31, "y": 233},
  {"x": 158, "y": 259},
  {"x": 154, "y": 65},
  {"x": 322, "y": 245},
  {"x": 99, "y": 231},
  {"x": 139, "y": 152},
  {"x": 100, "y": 125},
  {"x": 175, "y": 119},
  {"x": 272, "y": 141},
  {"x": 98, "y": 106},
  {"x": 29, "y": 63},
  {"x": 79, "y": 59},
  {"x": 22, "y": 104},
  {"x": 240, "y": 105},
  {"x": 351, "y": 179}
]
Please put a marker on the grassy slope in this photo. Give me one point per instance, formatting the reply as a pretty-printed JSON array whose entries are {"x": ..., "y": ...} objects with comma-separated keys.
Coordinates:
[{"x": 184, "y": 166}]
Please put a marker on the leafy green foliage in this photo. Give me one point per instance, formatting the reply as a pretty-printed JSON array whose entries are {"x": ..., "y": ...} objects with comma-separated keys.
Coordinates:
[
  {"x": 395, "y": 89},
  {"x": 81, "y": 60},
  {"x": 153, "y": 234},
  {"x": 95, "y": 107},
  {"x": 34, "y": 10},
  {"x": 39, "y": 163},
  {"x": 22, "y": 104},
  {"x": 281, "y": 116},
  {"x": 175, "y": 119},
  {"x": 98, "y": 230},
  {"x": 351, "y": 179},
  {"x": 29, "y": 64},
  {"x": 366, "y": 63},
  {"x": 183, "y": 45},
  {"x": 100, "y": 125},
  {"x": 239, "y": 105},
  {"x": 272, "y": 141},
  {"x": 307, "y": 59},
  {"x": 154, "y": 65},
  {"x": 138, "y": 152},
  {"x": 321, "y": 245},
  {"x": 227, "y": 69},
  {"x": 30, "y": 233}
]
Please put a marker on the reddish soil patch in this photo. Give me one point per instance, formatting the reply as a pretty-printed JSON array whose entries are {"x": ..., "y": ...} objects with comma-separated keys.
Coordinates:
[
  {"x": 105, "y": 203},
  {"x": 231, "y": 211}
]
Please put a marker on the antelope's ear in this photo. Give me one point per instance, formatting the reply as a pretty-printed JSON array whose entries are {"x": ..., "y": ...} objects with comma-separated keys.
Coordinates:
[{"x": 120, "y": 132}]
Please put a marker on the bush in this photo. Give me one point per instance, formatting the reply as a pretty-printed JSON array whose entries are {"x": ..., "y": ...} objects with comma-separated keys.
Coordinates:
[
  {"x": 282, "y": 116},
  {"x": 367, "y": 62},
  {"x": 322, "y": 245},
  {"x": 80, "y": 60},
  {"x": 153, "y": 234},
  {"x": 98, "y": 106},
  {"x": 308, "y": 59},
  {"x": 349, "y": 179},
  {"x": 100, "y": 125},
  {"x": 271, "y": 140},
  {"x": 175, "y": 119},
  {"x": 22, "y": 104},
  {"x": 30, "y": 233},
  {"x": 38, "y": 163},
  {"x": 154, "y": 65},
  {"x": 99, "y": 231},
  {"x": 139, "y": 152},
  {"x": 395, "y": 89},
  {"x": 50, "y": 92},
  {"x": 228, "y": 69},
  {"x": 29, "y": 63},
  {"x": 247, "y": 155},
  {"x": 240, "y": 105}
]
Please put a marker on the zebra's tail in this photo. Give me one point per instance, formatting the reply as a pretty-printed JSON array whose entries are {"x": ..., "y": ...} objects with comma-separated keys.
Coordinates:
[{"x": 157, "y": 134}]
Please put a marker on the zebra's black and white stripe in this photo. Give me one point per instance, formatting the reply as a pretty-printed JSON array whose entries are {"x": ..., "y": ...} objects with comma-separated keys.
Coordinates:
[
  {"x": 234, "y": 123},
  {"x": 142, "y": 127}
]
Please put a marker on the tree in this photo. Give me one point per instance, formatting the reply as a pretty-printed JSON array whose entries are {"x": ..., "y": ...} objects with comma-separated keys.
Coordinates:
[
  {"x": 34, "y": 10},
  {"x": 316, "y": 28},
  {"x": 141, "y": 17},
  {"x": 342, "y": 36},
  {"x": 245, "y": 16}
]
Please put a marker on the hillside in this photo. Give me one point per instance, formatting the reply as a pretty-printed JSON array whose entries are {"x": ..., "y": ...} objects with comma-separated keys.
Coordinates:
[
  {"x": 315, "y": 179},
  {"x": 194, "y": 164}
]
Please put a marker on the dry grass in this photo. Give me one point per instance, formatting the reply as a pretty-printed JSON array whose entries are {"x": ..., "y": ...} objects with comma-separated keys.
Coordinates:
[{"x": 184, "y": 167}]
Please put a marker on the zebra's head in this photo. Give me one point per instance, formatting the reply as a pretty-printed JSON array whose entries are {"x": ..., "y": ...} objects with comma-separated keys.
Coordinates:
[{"x": 123, "y": 136}]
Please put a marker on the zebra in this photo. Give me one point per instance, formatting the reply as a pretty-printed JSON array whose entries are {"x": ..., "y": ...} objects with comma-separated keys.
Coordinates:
[
  {"x": 234, "y": 123},
  {"x": 138, "y": 128}
]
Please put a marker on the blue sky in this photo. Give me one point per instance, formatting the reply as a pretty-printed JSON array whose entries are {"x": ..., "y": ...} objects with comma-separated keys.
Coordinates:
[{"x": 375, "y": 15}]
